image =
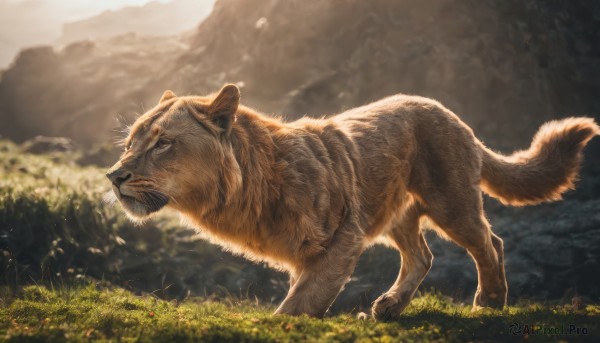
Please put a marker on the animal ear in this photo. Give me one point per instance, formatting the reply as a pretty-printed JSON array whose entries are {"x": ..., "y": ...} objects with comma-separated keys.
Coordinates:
[
  {"x": 223, "y": 108},
  {"x": 166, "y": 96}
]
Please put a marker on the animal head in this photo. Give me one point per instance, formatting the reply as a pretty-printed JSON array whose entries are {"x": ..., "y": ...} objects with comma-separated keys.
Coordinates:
[{"x": 179, "y": 154}]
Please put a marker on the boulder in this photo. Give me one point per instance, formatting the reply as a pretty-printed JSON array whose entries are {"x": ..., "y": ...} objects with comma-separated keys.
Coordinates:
[{"x": 45, "y": 145}]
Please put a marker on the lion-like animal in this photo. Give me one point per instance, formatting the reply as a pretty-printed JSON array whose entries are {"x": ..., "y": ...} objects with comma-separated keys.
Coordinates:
[{"x": 311, "y": 195}]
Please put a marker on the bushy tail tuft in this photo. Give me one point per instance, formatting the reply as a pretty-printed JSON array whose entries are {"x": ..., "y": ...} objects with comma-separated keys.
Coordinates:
[{"x": 544, "y": 171}]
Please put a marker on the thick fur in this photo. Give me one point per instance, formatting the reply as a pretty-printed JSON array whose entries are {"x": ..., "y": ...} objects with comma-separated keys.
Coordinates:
[
  {"x": 309, "y": 196},
  {"x": 545, "y": 170}
]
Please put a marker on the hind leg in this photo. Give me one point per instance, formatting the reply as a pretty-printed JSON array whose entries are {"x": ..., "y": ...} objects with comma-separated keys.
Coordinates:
[
  {"x": 499, "y": 247},
  {"x": 416, "y": 261},
  {"x": 461, "y": 218}
]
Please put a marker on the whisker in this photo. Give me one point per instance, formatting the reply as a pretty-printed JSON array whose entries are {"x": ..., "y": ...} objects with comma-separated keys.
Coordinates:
[
  {"x": 109, "y": 198},
  {"x": 154, "y": 198}
]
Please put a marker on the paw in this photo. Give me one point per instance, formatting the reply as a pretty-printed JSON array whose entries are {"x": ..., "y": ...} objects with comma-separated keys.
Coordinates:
[
  {"x": 491, "y": 301},
  {"x": 386, "y": 308},
  {"x": 362, "y": 316}
]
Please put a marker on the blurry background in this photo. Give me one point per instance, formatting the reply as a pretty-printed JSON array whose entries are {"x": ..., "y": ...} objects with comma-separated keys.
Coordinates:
[
  {"x": 24, "y": 23},
  {"x": 80, "y": 70}
]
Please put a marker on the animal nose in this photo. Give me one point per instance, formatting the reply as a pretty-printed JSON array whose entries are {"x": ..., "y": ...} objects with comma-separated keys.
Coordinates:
[{"x": 117, "y": 177}]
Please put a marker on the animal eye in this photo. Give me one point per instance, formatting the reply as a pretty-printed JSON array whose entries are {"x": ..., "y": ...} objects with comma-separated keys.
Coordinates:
[{"x": 162, "y": 144}]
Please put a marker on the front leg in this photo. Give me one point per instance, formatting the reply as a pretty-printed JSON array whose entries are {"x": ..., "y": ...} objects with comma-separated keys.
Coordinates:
[{"x": 322, "y": 277}]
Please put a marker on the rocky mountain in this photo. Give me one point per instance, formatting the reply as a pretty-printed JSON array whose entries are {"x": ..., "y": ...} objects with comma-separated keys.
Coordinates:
[
  {"x": 153, "y": 19},
  {"x": 504, "y": 67},
  {"x": 27, "y": 23},
  {"x": 81, "y": 90}
]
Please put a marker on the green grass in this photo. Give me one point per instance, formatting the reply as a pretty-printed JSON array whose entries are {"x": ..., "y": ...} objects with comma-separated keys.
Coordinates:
[{"x": 85, "y": 312}]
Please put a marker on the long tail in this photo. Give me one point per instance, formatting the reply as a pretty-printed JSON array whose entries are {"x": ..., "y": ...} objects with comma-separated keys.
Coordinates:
[{"x": 544, "y": 171}]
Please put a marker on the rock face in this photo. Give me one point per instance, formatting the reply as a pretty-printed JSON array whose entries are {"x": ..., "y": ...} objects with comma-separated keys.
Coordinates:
[
  {"x": 503, "y": 67},
  {"x": 80, "y": 91}
]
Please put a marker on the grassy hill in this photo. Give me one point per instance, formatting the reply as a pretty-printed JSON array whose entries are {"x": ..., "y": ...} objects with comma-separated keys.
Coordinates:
[{"x": 92, "y": 313}]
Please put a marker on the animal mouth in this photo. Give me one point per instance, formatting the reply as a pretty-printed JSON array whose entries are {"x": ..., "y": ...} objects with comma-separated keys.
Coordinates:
[
  {"x": 149, "y": 200},
  {"x": 154, "y": 200}
]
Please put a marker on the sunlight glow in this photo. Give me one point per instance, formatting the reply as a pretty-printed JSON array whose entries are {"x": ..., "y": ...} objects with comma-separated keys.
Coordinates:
[{"x": 79, "y": 9}]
